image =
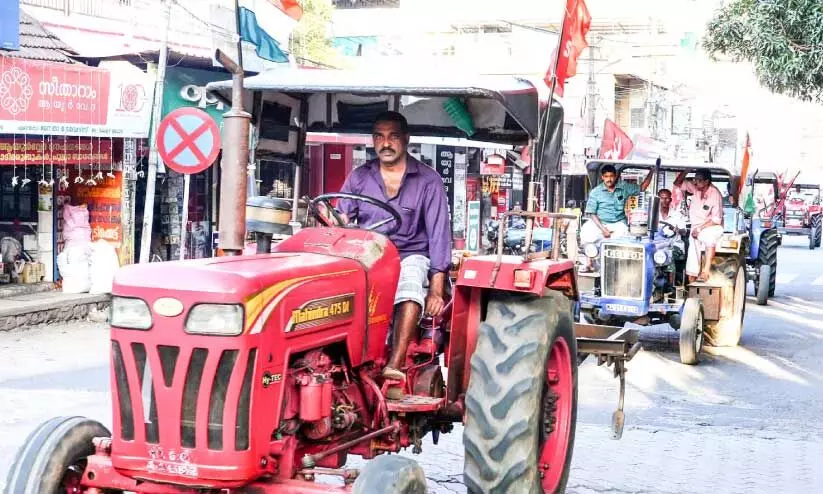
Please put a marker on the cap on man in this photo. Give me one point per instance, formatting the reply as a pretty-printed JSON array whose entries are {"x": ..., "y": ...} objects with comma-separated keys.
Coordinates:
[
  {"x": 415, "y": 191},
  {"x": 706, "y": 217}
]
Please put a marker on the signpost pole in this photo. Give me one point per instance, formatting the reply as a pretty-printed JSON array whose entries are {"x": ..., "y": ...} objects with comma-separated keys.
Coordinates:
[{"x": 186, "y": 183}]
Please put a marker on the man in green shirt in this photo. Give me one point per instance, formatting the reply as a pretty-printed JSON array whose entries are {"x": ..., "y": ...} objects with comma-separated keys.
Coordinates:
[{"x": 606, "y": 206}]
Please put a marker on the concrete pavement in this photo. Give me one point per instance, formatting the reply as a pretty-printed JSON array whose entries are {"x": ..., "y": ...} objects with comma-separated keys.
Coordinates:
[{"x": 745, "y": 420}]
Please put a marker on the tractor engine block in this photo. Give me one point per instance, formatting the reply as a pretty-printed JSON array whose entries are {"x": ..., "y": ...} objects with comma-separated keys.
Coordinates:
[{"x": 320, "y": 400}]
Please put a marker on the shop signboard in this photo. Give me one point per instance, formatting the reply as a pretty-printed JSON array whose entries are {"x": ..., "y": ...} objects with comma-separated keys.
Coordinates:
[
  {"x": 444, "y": 164},
  {"x": 185, "y": 87},
  {"x": 473, "y": 227},
  {"x": 21, "y": 150},
  {"x": 493, "y": 164},
  {"x": 47, "y": 98}
]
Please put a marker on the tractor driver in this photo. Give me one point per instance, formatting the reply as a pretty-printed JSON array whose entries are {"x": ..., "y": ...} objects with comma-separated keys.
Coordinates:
[
  {"x": 706, "y": 217},
  {"x": 606, "y": 207},
  {"x": 416, "y": 192}
]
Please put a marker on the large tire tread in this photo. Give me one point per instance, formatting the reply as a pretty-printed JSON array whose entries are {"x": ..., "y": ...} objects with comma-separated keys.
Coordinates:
[
  {"x": 503, "y": 401},
  {"x": 767, "y": 254},
  {"x": 55, "y": 445},
  {"x": 727, "y": 331}
]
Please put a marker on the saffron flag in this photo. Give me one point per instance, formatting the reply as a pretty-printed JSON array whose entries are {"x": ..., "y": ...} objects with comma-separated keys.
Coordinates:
[
  {"x": 616, "y": 145},
  {"x": 744, "y": 170},
  {"x": 576, "y": 25}
]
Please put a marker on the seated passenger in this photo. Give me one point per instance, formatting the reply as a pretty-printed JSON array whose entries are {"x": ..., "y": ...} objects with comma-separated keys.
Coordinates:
[
  {"x": 606, "y": 206},
  {"x": 706, "y": 215},
  {"x": 673, "y": 217},
  {"x": 416, "y": 192}
]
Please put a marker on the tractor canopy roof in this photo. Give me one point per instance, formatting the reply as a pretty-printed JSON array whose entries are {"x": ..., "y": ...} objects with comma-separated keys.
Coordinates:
[
  {"x": 766, "y": 178},
  {"x": 495, "y": 109},
  {"x": 719, "y": 172}
]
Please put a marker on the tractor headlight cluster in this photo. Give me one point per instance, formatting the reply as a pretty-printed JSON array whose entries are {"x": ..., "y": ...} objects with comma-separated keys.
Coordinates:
[
  {"x": 591, "y": 250},
  {"x": 661, "y": 257},
  {"x": 215, "y": 319},
  {"x": 130, "y": 313}
]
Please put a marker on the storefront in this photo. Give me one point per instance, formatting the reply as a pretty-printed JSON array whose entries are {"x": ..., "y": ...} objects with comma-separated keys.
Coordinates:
[{"x": 61, "y": 142}]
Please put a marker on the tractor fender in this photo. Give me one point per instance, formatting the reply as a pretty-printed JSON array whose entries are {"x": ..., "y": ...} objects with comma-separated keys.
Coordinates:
[
  {"x": 481, "y": 277},
  {"x": 734, "y": 243}
]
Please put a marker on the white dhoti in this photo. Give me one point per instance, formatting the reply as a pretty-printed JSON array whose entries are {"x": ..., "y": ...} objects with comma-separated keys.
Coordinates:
[
  {"x": 707, "y": 237},
  {"x": 591, "y": 233}
]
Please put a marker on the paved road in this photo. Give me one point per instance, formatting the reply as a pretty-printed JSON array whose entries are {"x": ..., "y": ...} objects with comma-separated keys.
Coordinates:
[{"x": 746, "y": 420}]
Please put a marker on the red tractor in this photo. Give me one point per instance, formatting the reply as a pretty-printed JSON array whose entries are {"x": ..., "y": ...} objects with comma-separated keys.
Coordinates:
[
  {"x": 802, "y": 213},
  {"x": 258, "y": 373}
]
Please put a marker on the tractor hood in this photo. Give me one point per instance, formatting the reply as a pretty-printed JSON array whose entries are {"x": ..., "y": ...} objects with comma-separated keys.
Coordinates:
[{"x": 224, "y": 279}]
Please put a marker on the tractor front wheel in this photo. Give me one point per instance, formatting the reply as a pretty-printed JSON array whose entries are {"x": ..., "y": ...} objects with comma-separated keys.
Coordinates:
[
  {"x": 521, "y": 404},
  {"x": 53, "y": 457},
  {"x": 391, "y": 474},
  {"x": 691, "y": 332}
]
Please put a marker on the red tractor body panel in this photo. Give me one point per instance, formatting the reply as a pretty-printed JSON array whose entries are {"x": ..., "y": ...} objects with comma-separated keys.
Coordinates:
[
  {"x": 197, "y": 409},
  {"x": 481, "y": 273}
]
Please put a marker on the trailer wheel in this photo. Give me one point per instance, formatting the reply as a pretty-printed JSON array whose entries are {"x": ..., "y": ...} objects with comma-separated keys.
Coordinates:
[
  {"x": 762, "y": 288},
  {"x": 53, "y": 457},
  {"x": 391, "y": 474},
  {"x": 728, "y": 330},
  {"x": 767, "y": 254},
  {"x": 691, "y": 332},
  {"x": 521, "y": 402}
]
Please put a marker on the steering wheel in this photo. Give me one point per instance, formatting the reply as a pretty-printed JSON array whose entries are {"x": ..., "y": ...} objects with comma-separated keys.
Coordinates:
[
  {"x": 668, "y": 231},
  {"x": 325, "y": 201}
]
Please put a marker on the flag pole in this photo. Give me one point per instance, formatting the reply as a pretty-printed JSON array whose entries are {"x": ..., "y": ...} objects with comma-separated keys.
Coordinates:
[{"x": 542, "y": 126}]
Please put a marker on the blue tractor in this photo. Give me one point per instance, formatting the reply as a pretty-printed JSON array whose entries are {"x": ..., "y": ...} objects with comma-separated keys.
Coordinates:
[
  {"x": 764, "y": 235},
  {"x": 640, "y": 278}
]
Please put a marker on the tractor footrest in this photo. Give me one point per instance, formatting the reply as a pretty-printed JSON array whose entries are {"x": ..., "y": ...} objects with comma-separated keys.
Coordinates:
[{"x": 415, "y": 403}]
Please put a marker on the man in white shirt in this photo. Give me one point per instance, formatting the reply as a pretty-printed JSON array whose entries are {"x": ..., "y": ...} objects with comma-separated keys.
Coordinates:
[{"x": 674, "y": 218}]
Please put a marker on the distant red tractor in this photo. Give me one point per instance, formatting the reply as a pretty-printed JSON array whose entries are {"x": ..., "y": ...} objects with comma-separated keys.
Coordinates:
[
  {"x": 258, "y": 373},
  {"x": 802, "y": 213}
]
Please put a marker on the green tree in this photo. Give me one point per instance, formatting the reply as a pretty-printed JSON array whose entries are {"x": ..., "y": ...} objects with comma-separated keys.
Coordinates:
[
  {"x": 783, "y": 39},
  {"x": 309, "y": 41}
]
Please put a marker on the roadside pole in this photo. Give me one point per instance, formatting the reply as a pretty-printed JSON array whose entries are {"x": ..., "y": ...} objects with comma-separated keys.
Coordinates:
[
  {"x": 234, "y": 166},
  {"x": 148, "y": 208}
]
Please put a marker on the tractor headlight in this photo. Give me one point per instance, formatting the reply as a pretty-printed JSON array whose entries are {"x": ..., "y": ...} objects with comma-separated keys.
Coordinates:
[
  {"x": 130, "y": 313},
  {"x": 661, "y": 257},
  {"x": 591, "y": 250},
  {"x": 215, "y": 319}
]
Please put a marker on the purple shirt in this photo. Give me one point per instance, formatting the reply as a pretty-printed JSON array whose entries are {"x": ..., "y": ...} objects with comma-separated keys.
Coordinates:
[{"x": 420, "y": 202}]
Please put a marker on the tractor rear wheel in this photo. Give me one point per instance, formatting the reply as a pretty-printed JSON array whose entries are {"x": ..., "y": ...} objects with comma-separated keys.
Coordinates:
[
  {"x": 391, "y": 474},
  {"x": 767, "y": 254},
  {"x": 691, "y": 332},
  {"x": 729, "y": 329},
  {"x": 53, "y": 457},
  {"x": 762, "y": 288},
  {"x": 521, "y": 405},
  {"x": 816, "y": 221}
]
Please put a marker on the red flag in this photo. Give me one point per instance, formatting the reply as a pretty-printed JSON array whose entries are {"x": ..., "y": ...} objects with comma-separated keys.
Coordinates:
[
  {"x": 290, "y": 7},
  {"x": 616, "y": 145},
  {"x": 576, "y": 25}
]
